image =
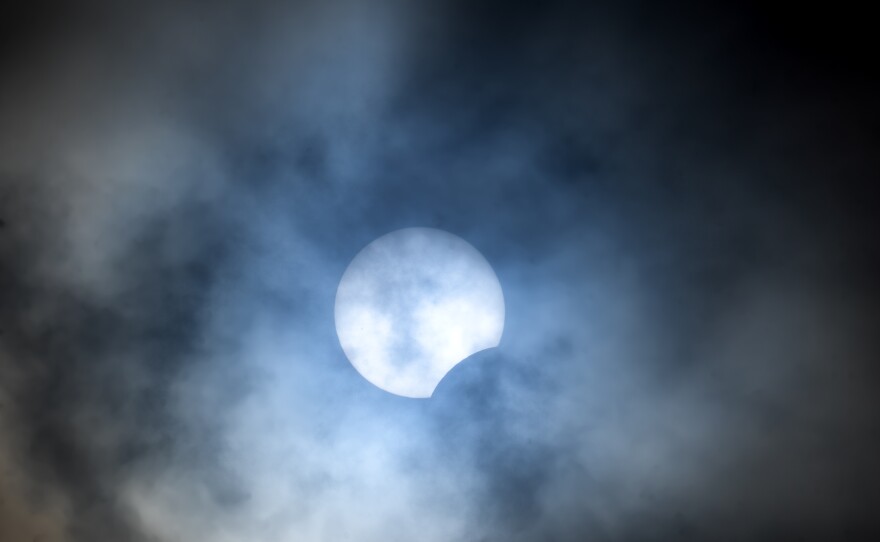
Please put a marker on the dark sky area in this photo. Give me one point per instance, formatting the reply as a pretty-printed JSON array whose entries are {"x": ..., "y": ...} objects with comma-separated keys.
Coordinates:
[{"x": 677, "y": 200}]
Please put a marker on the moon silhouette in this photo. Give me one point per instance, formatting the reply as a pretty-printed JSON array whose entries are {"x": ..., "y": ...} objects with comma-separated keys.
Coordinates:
[{"x": 413, "y": 304}]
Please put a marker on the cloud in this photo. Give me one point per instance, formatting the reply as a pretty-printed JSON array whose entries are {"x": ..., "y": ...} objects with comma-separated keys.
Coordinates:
[{"x": 683, "y": 244}]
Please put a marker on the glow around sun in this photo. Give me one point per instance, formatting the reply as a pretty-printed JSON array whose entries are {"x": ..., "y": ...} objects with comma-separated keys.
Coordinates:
[{"x": 412, "y": 305}]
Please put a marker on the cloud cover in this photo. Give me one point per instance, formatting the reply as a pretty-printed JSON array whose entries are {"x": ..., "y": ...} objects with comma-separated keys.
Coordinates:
[{"x": 676, "y": 204}]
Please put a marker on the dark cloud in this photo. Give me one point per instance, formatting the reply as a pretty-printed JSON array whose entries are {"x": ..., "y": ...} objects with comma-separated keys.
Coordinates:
[{"x": 677, "y": 203}]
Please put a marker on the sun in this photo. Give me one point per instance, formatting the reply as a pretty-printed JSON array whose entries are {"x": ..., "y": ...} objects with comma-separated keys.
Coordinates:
[{"x": 413, "y": 304}]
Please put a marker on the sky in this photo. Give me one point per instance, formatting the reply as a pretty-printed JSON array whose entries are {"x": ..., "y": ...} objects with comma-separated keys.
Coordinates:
[{"x": 676, "y": 200}]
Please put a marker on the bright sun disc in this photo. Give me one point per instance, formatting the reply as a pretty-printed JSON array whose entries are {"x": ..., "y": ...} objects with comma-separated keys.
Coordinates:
[{"x": 412, "y": 305}]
